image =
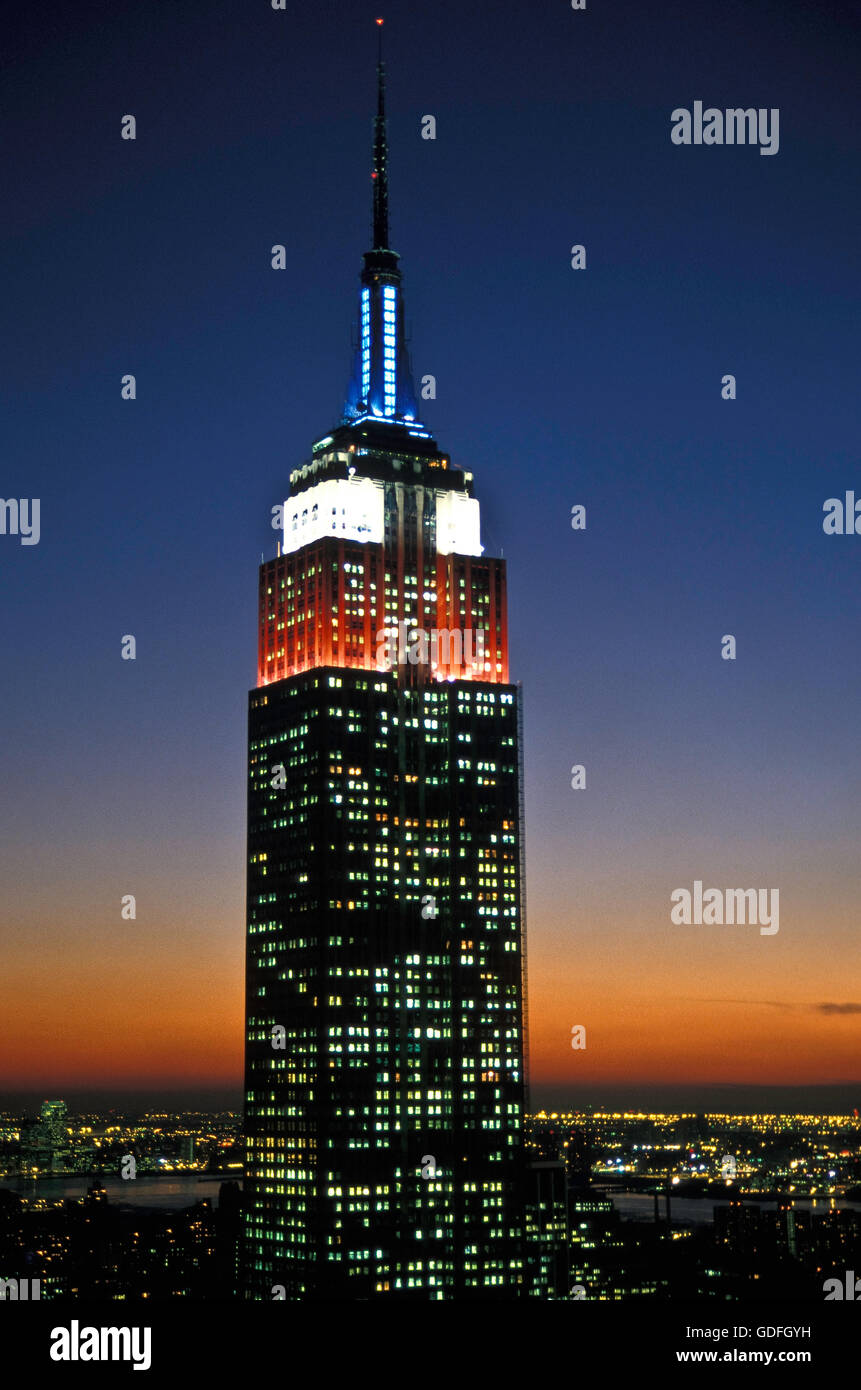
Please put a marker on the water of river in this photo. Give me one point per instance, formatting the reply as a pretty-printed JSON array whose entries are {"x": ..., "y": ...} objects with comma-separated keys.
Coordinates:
[
  {"x": 699, "y": 1211},
  {"x": 172, "y": 1190},
  {"x": 168, "y": 1191}
]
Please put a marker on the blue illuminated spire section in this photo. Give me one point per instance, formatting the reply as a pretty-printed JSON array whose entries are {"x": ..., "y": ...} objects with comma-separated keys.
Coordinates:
[{"x": 381, "y": 386}]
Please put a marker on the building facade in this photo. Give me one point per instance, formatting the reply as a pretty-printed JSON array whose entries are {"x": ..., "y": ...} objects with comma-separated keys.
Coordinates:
[{"x": 385, "y": 1021}]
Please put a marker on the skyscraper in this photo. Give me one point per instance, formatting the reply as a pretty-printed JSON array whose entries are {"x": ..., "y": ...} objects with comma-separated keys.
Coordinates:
[{"x": 385, "y": 1016}]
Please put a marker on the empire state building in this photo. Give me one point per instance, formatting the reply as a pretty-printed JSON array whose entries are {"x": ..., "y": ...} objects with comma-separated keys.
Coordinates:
[{"x": 385, "y": 1002}]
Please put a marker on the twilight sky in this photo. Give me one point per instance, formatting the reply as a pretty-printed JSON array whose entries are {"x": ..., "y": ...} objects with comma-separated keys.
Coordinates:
[{"x": 555, "y": 387}]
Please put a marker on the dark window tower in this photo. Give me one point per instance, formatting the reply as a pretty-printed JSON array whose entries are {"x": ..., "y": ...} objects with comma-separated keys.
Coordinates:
[{"x": 385, "y": 1059}]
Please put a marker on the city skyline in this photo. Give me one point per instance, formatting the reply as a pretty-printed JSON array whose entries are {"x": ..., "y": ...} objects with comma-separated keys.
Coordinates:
[
  {"x": 143, "y": 1206},
  {"x": 557, "y": 388}
]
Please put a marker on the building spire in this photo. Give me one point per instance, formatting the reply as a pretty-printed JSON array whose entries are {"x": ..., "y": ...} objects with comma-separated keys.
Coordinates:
[
  {"x": 380, "y": 175},
  {"x": 381, "y": 386}
]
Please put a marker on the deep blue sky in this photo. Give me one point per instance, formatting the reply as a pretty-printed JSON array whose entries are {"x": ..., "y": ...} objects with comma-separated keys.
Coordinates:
[{"x": 554, "y": 387}]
